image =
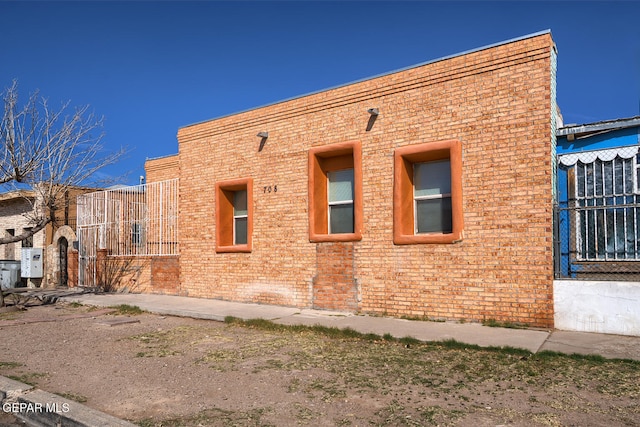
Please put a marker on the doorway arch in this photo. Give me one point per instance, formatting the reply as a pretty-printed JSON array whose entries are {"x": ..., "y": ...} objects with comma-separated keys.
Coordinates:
[
  {"x": 63, "y": 239},
  {"x": 63, "y": 261}
]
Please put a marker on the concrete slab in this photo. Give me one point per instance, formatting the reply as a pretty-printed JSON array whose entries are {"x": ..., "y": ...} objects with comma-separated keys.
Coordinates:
[
  {"x": 187, "y": 307},
  {"x": 609, "y": 346},
  {"x": 41, "y": 408},
  {"x": 10, "y": 388},
  {"x": 117, "y": 321}
]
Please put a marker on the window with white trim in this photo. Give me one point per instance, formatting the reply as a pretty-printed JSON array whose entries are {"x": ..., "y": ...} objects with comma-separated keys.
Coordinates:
[
  {"x": 432, "y": 197},
  {"x": 240, "y": 217},
  {"x": 607, "y": 215},
  {"x": 340, "y": 201}
]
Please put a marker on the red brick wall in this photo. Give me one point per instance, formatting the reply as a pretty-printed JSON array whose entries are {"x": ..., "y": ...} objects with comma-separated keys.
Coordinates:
[
  {"x": 335, "y": 287},
  {"x": 496, "y": 101},
  {"x": 165, "y": 275}
]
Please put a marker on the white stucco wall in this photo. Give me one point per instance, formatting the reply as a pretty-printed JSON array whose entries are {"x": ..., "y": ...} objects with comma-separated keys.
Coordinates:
[
  {"x": 604, "y": 307},
  {"x": 13, "y": 216}
]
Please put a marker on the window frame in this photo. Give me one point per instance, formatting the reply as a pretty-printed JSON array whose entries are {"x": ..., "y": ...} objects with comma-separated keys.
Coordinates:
[
  {"x": 404, "y": 225},
  {"x": 345, "y": 202},
  {"x": 237, "y": 217},
  {"x": 324, "y": 159},
  {"x": 225, "y": 218},
  {"x": 136, "y": 234},
  {"x": 417, "y": 199}
]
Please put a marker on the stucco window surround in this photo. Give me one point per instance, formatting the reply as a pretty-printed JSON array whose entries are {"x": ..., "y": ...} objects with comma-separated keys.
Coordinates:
[
  {"x": 228, "y": 215},
  {"x": 404, "y": 201},
  {"x": 322, "y": 161}
]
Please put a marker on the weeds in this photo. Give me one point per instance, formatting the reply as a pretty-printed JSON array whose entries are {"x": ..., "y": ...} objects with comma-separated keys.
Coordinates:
[
  {"x": 128, "y": 310},
  {"x": 493, "y": 323},
  {"x": 73, "y": 396},
  {"x": 214, "y": 417},
  {"x": 9, "y": 365},
  {"x": 28, "y": 378}
]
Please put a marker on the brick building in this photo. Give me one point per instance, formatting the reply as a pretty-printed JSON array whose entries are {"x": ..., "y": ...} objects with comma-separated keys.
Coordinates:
[{"x": 424, "y": 192}]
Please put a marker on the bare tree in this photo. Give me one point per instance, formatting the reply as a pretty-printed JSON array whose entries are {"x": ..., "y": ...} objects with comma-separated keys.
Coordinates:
[{"x": 45, "y": 152}]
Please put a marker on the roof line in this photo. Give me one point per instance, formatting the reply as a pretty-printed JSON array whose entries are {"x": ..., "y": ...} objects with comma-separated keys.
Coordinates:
[
  {"x": 160, "y": 157},
  {"x": 604, "y": 125},
  {"x": 421, "y": 64}
]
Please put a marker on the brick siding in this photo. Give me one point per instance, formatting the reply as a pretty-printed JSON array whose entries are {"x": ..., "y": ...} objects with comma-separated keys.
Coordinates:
[
  {"x": 497, "y": 101},
  {"x": 161, "y": 169}
]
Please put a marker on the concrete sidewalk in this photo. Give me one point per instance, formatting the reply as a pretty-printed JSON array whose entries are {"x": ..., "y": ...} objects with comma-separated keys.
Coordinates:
[{"x": 609, "y": 346}]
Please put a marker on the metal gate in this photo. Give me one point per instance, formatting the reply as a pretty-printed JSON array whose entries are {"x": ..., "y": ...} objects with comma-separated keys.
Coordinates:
[{"x": 140, "y": 220}]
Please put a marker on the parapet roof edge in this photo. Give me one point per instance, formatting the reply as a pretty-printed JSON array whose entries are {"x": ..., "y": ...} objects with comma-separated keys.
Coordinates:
[
  {"x": 443, "y": 58},
  {"x": 162, "y": 157},
  {"x": 604, "y": 125},
  {"x": 17, "y": 194}
]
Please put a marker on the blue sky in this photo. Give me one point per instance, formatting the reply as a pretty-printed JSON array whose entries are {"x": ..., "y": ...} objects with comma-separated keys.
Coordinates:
[{"x": 151, "y": 67}]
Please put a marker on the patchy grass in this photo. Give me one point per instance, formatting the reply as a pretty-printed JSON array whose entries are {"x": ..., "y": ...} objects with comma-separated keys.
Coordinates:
[
  {"x": 493, "y": 323},
  {"x": 214, "y": 417},
  {"x": 73, "y": 396},
  {"x": 366, "y": 364},
  {"x": 126, "y": 309},
  {"x": 29, "y": 378},
  {"x": 9, "y": 365},
  {"x": 160, "y": 343},
  {"x": 342, "y": 377}
]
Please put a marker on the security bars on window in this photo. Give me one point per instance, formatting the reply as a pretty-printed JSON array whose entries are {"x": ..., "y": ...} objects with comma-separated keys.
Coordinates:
[{"x": 607, "y": 216}]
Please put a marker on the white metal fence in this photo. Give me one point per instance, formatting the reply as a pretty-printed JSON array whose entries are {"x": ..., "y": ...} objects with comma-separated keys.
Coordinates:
[{"x": 140, "y": 220}]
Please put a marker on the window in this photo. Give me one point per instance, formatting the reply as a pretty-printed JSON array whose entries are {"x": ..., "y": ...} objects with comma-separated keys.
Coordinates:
[
  {"x": 136, "y": 234},
  {"x": 28, "y": 242},
  {"x": 432, "y": 195},
  {"x": 335, "y": 196},
  {"x": 340, "y": 189},
  {"x": 427, "y": 199},
  {"x": 240, "y": 216},
  {"x": 10, "y": 247},
  {"x": 606, "y": 197},
  {"x": 234, "y": 215}
]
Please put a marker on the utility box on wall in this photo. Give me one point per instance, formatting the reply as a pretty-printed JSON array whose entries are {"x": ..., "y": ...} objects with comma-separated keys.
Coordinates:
[
  {"x": 9, "y": 273},
  {"x": 31, "y": 263}
]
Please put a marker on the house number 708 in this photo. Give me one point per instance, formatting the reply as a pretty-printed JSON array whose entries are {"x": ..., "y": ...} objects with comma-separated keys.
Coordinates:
[{"x": 269, "y": 188}]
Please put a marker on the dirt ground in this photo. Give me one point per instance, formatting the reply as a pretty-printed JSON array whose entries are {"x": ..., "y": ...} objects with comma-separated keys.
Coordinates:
[{"x": 167, "y": 371}]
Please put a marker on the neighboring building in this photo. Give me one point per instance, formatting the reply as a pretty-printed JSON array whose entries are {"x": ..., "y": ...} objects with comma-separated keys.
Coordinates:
[
  {"x": 56, "y": 239},
  {"x": 15, "y": 209},
  {"x": 425, "y": 192},
  {"x": 598, "y": 227}
]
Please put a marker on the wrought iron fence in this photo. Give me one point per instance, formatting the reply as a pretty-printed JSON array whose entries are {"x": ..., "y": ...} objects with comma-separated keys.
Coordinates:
[
  {"x": 598, "y": 217},
  {"x": 135, "y": 221}
]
